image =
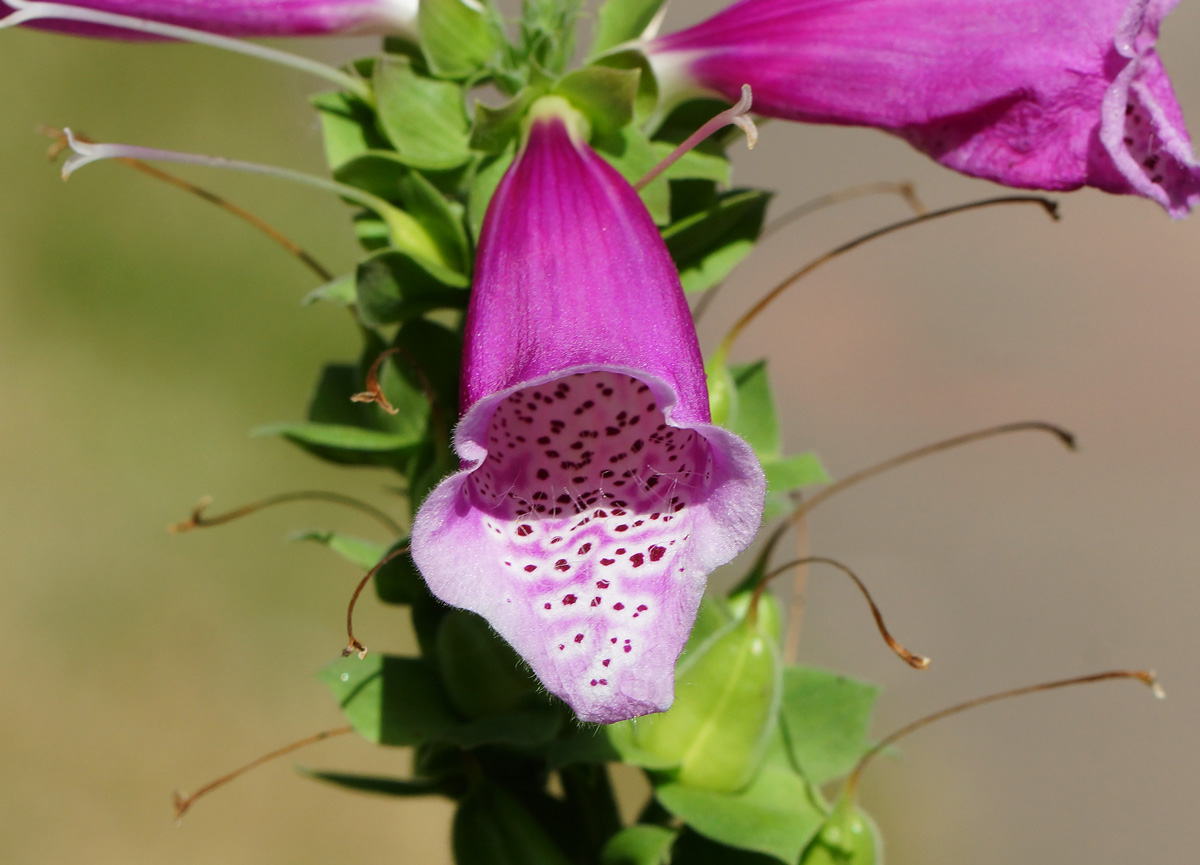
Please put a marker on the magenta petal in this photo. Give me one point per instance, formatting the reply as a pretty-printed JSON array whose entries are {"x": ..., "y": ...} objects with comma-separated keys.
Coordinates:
[
  {"x": 247, "y": 18},
  {"x": 595, "y": 497},
  {"x": 1044, "y": 94}
]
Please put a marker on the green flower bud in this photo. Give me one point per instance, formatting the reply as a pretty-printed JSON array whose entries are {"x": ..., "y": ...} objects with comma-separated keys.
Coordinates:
[
  {"x": 847, "y": 838},
  {"x": 770, "y": 617},
  {"x": 726, "y": 707}
]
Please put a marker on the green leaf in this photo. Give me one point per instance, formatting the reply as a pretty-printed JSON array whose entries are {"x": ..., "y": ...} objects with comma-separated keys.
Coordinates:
[
  {"x": 491, "y": 172},
  {"x": 775, "y": 815},
  {"x": 393, "y": 286},
  {"x": 339, "y": 291},
  {"x": 492, "y": 827},
  {"x": 826, "y": 717},
  {"x": 482, "y": 675},
  {"x": 582, "y": 743},
  {"x": 495, "y": 128},
  {"x": 630, "y": 152},
  {"x": 605, "y": 95},
  {"x": 425, "y": 119},
  {"x": 639, "y": 845},
  {"x": 755, "y": 419},
  {"x": 349, "y": 126},
  {"x": 391, "y": 700},
  {"x": 790, "y": 473},
  {"x": 620, "y": 21},
  {"x": 365, "y": 554},
  {"x": 374, "y": 784},
  {"x": 457, "y": 39},
  {"x": 386, "y": 175},
  {"x": 695, "y": 165},
  {"x": 338, "y": 437},
  {"x": 707, "y": 245},
  {"x": 527, "y": 728}
]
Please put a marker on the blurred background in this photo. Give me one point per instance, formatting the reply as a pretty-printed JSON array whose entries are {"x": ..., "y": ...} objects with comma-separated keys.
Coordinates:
[{"x": 144, "y": 333}]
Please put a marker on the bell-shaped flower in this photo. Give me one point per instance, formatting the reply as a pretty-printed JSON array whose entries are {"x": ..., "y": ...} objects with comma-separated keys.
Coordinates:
[
  {"x": 595, "y": 495},
  {"x": 1042, "y": 94},
  {"x": 244, "y": 18}
]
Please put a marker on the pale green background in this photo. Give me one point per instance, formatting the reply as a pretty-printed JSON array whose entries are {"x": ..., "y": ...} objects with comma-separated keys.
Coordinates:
[{"x": 142, "y": 333}]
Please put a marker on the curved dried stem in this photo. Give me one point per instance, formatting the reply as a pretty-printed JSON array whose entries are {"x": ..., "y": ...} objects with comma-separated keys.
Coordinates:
[
  {"x": 291, "y": 247},
  {"x": 1146, "y": 677},
  {"x": 199, "y": 521},
  {"x": 904, "y": 189},
  {"x": 355, "y": 646},
  {"x": 1065, "y": 436},
  {"x": 917, "y": 662},
  {"x": 1050, "y": 206},
  {"x": 184, "y": 801}
]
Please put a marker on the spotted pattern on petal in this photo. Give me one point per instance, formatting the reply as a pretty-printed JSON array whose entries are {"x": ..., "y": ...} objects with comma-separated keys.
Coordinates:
[{"x": 586, "y": 493}]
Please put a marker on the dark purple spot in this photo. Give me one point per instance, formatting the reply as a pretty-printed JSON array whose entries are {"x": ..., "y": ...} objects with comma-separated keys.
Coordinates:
[
  {"x": 642, "y": 608},
  {"x": 546, "y": 606},
  {"x": 593, "y": 683},
  {"x": 579, "y": 638},
  {"x": 606, "y": 661},
  {"x": 618, "y": 606},
  {"x": 529, "y": 569},
  {"x": 657, "y": 552},
  {"x": 602, "y": 584},
  {"x": 524, "y": 530},
  {"x": 568, "y": 600},
  {"x": 561, "y": 565},
  {"x": 637, "y": 560},
  {"x": 542, "y": 474},
  {"x": 607, "y": 562},
  {"x": 596, "y": 601},
  {"x": 622, "y": 528}
]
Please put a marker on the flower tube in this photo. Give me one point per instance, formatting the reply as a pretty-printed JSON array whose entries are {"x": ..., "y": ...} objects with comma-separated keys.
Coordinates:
[
  {"x": 1040, "y": 94},
  {"x": 595, "y": 495},
  {"x": 243, "y": 18}
]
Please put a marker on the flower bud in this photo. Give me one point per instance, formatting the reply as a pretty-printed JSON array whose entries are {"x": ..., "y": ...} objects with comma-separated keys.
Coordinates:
[{"x": 726, "y": 708}]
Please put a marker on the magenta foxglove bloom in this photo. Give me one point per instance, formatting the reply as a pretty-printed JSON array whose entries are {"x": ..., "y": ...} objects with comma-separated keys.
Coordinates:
[
  {"x": 247, "y": 18},
  {"x": 1043, "y": 94},
  {"x": 595, "y": 495}
]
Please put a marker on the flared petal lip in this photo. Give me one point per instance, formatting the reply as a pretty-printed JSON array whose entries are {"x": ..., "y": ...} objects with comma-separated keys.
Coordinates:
[{"x": 743, "y": 493}]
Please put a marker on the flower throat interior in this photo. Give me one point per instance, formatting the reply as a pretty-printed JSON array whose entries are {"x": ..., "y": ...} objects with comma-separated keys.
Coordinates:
[{"x": 586, "y": 491}]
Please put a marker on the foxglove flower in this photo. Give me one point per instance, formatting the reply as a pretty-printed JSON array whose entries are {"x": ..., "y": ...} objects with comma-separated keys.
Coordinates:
[
  {"x": 1043, "y": 94},
  {"x": 595, "y": 495},
  {"x": 247, "y": 18}
]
